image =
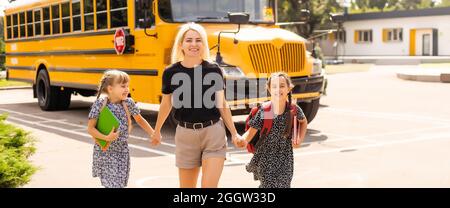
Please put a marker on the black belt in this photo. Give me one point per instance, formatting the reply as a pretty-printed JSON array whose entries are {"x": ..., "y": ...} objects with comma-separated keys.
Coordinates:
[{"x": 197, "y": 125}]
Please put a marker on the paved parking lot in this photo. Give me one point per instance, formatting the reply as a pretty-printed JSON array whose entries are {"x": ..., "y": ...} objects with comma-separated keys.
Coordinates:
[{"x": 372, "y": 130}]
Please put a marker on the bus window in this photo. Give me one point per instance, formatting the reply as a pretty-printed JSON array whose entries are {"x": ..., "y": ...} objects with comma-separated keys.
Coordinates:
[
  {"x": 140, "y": 13},
  {"x": 102, "y": 17},
  {"x": 76, "y": 15},
  {"x": 261, "y": 11},
  {"x": 55, "y": 19},
  {"x": 46, "y": 15},
  {"x": 37, "y": 22},
  {"x": 88, "y": 15},
  {"x": 15, "y": 26},
  {"x": 8, "y": 27},
  {"x": 65, "y": 10},
  {"x": 119, "y": 16},
  {"x": 22, "y": 24},
  {"x": 30, "y": 31}
]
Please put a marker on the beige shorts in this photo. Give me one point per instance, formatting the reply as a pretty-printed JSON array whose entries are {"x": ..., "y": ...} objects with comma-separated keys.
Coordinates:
[{"x": 193, "y": 146}]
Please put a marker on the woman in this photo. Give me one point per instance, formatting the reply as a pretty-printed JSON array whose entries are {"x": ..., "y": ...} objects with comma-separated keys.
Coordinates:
[{"x": 194, "y": 88}]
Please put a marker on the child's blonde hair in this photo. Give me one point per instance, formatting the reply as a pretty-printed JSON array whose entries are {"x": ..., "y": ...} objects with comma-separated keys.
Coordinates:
[
  {"x": 177, "y": 53},
  {"x": 111, "y": 77},
  {"x": 286, "y": 77}
]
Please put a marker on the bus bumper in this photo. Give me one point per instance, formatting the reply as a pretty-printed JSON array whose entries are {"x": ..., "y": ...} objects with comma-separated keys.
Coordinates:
[{"x": 305, "y": 89}]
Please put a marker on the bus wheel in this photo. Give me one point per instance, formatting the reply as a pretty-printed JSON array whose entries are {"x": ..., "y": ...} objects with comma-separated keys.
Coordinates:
[
  {"x": 310, "y": 109},
  {"x": 64, "y": 99},
  {"x": 49, "y": 97}
]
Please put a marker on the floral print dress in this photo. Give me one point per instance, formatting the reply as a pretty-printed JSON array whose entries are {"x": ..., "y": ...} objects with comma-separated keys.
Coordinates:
[
  {"x": 113, "y": 166},
  {"x": 273, "y": 162}
]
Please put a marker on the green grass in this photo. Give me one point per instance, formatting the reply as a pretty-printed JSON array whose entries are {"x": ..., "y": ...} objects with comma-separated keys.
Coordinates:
[
  {"x": 16, "y": 146},
  {"x": 347, "y": 68},
  {"x": 6, "y": 83}
]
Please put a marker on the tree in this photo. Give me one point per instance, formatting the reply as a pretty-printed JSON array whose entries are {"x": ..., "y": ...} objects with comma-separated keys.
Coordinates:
[
  {"x": 444, "y": 3},
  {"x": 289, "y": 11},
  {"x": 380, "y": 4}
]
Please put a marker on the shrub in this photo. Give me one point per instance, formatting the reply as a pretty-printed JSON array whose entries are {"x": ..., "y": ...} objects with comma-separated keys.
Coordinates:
[{"x": 16, "y": 146}]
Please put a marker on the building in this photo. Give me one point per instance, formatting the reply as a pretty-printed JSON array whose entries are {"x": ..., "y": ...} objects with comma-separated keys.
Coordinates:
[{"x": 423, "y": 32}]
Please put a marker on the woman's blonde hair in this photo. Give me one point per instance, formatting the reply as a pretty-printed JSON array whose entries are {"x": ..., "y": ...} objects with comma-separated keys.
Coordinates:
[
  {"x": 111, "y": 77},
  {"x": 177, "y": 54}
]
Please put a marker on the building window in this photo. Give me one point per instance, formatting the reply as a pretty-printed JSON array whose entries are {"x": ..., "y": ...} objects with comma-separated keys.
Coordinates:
[
  {"x": 65, "y": 14},
  {"x": 393, "y": 35},
  {"x": 363, "y": 36},
  {"x": 37, "y": 22},
  {"x": 8, "y": 27},
  {"x": 55, "y": 19},
  {"x": 46, "y": 15},
  {"x": 30, "y": 30},
  {"x": 88, "y": 15},
  {"x": 22, "y": 24},
  {"x": 119, "y": 16},
  {"x": 76, "y": 15}
]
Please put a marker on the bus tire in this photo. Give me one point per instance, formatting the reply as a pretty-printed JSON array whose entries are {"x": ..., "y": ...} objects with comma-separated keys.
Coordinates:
[
  {"x": 310, "y": 109},
  {"x": 49, "y": 97},
  {"x": 64, "y": 97}
]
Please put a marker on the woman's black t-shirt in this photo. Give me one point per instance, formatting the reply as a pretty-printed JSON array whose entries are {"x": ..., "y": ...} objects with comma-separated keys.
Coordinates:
[{"x": 193, "y": 91}]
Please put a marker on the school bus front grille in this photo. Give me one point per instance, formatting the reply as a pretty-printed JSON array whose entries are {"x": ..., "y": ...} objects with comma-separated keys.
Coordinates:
[{"x": 266, "y": 58}]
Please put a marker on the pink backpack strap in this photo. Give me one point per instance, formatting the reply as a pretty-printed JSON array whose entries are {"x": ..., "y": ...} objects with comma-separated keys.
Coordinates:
[
  {"x": 267, "y": 118},
  {"x": 293, "y": 111},
  {"x": 130, "y": 124}
]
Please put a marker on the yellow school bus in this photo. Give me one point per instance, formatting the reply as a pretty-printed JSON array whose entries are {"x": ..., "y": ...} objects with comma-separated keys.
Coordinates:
[{"x": 62, "y": 47}]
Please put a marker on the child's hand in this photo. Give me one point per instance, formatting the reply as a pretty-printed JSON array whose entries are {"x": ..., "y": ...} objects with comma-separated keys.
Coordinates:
[
  {"x": 156, "y": 138},
  {"x": 296, "y": 143},
  {"x": 238, "y": 141},
  {"x": 112, "y": 135},
  {"x": 242, "y": 143}
]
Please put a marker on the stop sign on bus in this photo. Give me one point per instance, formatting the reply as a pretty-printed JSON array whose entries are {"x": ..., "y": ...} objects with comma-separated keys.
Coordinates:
[{"x": 119, "y": 41}]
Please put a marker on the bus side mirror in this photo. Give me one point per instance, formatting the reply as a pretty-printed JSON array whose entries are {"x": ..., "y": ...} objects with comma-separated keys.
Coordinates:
[{"x": 238, "y": 18}]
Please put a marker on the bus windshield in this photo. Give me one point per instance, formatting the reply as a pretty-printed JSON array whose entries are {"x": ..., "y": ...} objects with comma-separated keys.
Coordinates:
[{"x": 261, "y": 11}]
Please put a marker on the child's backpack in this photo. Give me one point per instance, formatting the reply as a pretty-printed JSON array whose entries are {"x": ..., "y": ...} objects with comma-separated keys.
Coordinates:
[{"x": 267, "y": 124}]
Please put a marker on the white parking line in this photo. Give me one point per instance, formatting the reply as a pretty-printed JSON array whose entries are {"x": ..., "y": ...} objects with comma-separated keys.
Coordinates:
[
  {"x": 381, "y": 144},
  {"x": 80, "y": 127},
  {"x": 87, "y": 135},
  {"x": 392, "y": 116},
  {"x": 230, "y": 160}
]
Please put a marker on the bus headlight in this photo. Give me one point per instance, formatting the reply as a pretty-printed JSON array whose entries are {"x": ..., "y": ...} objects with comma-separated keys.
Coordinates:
[
  {"x": 317, "y": 67},
  {"x": 232, "y": 72}
]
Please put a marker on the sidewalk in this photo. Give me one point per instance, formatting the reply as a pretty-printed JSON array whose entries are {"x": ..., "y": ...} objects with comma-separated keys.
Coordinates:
[{"x": 425, "y": 74}]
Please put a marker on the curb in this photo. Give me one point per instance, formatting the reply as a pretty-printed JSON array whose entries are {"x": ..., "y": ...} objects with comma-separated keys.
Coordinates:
[
  {"x": 431, "y": 76},
  {"x": 420, "y": 78},
  {"x": 445, "y": 77}
]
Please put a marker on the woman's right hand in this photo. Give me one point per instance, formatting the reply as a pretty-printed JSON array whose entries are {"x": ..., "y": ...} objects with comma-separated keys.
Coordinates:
[
  {"x": 156, "y": 138},
  {"x": 112, "y": 135}
]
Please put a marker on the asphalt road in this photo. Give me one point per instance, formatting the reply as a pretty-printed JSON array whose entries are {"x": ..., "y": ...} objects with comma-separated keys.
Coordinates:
[{"x": 372, "y": 130}]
